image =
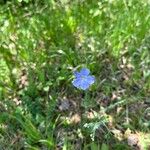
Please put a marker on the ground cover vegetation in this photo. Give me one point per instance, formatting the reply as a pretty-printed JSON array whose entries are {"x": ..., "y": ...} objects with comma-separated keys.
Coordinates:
[{"x": 43, "y": 44}]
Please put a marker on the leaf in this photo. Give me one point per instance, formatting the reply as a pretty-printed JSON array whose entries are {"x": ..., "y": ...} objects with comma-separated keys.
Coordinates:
[
  {"x": 94, "y": 146},
  {"x": 27, "y": 1},
  {"x": 104, "y": 147},
  {"x": 47, "y": 143},
  {"x": 46, "y": 89},
  {"x": 29, "y": 147}
]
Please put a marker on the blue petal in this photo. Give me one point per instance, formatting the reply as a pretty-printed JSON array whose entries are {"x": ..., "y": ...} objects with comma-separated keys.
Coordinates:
[
  {"x": 82, "y": 79},
  {"x": 76, "y": 83},
  {"x": 80, "y": 83},
  {"x": 84, "y": 85},
  {"x": 77, "y": 74},
  {"x": 90, "y": 79},
  {"x": 84, "y": 71}
]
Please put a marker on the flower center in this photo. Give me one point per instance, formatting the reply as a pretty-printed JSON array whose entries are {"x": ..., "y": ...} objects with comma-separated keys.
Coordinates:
[{"x": 83, "y": 77}]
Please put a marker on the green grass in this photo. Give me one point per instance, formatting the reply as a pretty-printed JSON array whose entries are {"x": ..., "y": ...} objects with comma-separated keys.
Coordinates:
[{"x": 43, "y": 42}]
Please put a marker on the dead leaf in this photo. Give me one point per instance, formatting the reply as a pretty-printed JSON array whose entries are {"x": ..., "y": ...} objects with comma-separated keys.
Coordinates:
[
  {"x": 64, "y": 105},
  {"x": 75, "y": 119},
  {"x": 133, "y": 140}
]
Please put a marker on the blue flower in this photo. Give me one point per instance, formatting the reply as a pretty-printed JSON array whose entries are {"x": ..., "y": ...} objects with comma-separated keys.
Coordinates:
[{"x": 83, "y": 79}]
